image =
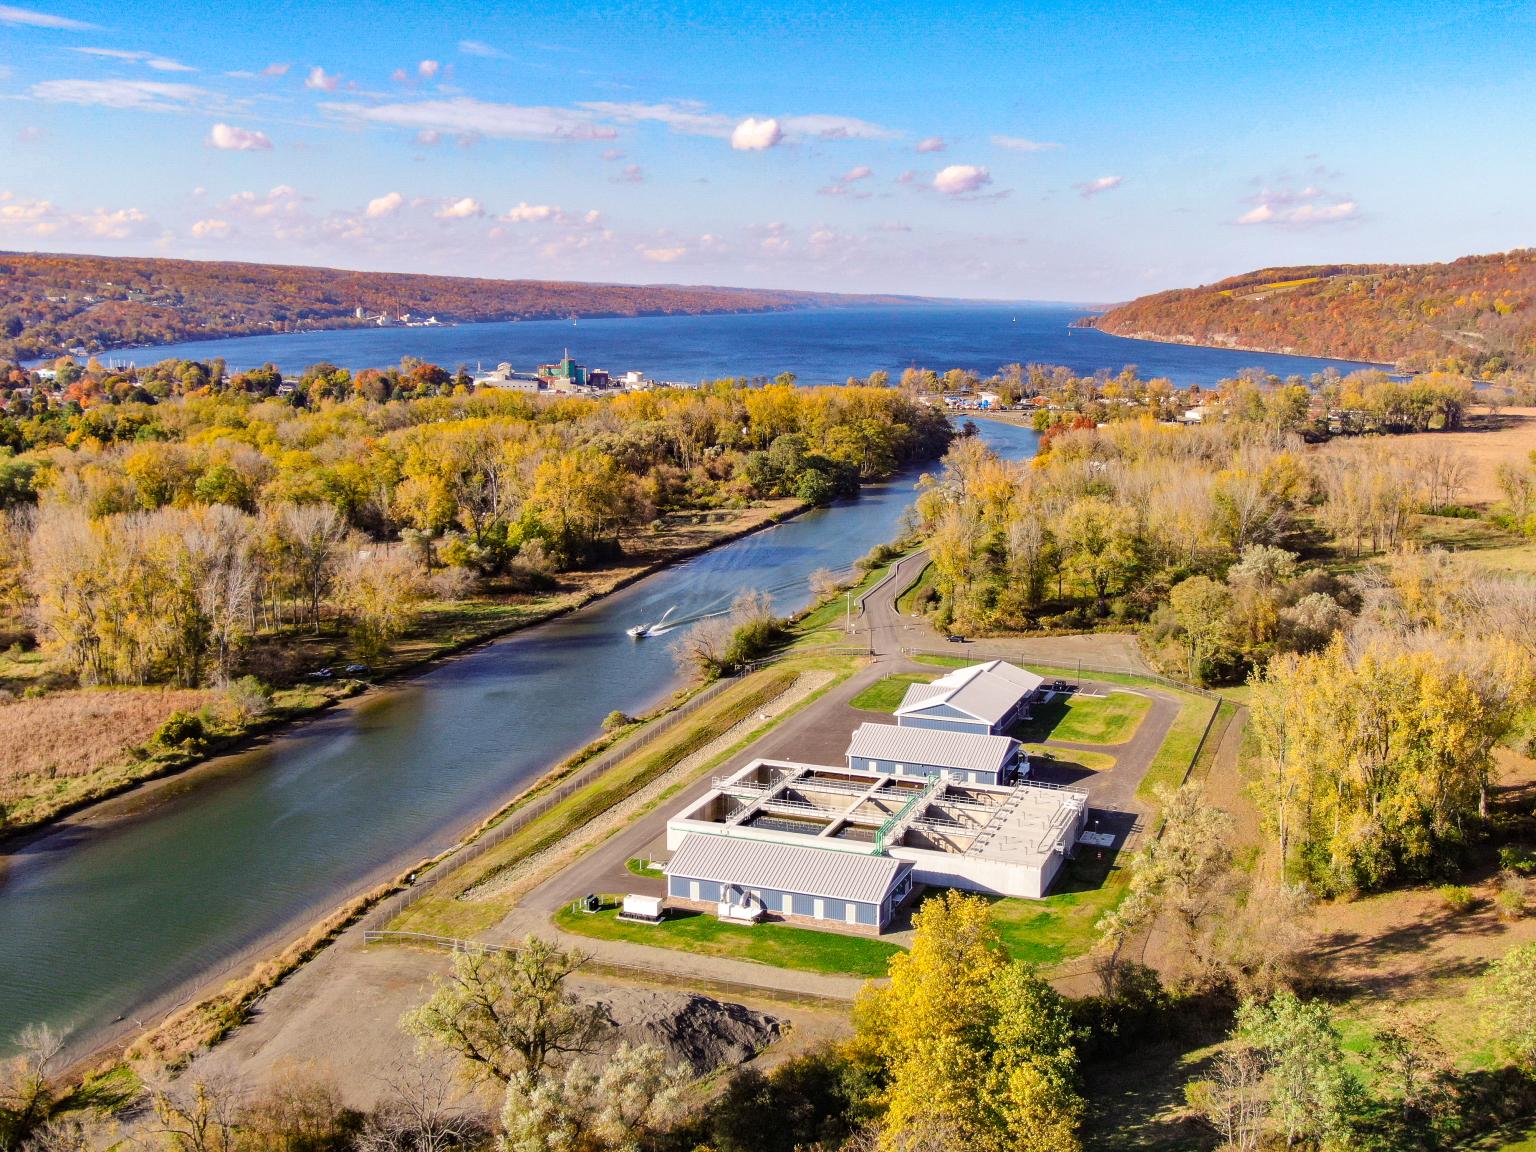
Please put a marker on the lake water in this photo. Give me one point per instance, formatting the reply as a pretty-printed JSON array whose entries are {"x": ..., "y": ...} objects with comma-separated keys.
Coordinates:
[
  {"x": 819, "y": 347},
  {"x": 100, "y": 921}
]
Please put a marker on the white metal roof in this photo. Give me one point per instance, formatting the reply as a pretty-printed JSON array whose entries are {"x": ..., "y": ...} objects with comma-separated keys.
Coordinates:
[
  {"x": 972, "y": 751},
  {"x": 810, "y": 871},
  {"x": 986, "y": 692}
]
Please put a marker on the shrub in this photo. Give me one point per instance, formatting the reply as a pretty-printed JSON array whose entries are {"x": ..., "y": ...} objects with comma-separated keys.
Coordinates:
[
  {"x": 617, "y": 719},
  {"x": 246, "y": 698},
  {"x": 182, "y": 730},
  {"x": 1517, "y": 858},
  {"x": 1457, "y": 897},
  {"x": 1511, "y": 897}
]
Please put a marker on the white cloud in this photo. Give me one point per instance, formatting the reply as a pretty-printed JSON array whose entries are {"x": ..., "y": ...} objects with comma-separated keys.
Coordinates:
[
  {"x": 961, "y": 179},
  {"x": 385, "y": 205},
  {"x": 233, "y": 139},
  {"x": 931, "y": 144},
  {"x": 462, "y": 209},
  {"x": 429, "y": 137},
  {"x": 467, "y": 115},
  {"x": 210, "y": 229},
  {"x": 158, "y": 63},
  {"x": 319, "y": 78},
  {"x": 663, "y": 255},
  {"x": 45, "y": 219},
  {"x": 526, "y": 212},
  {"x": 754, "y": 135},
  {"x": 481, "y": 49},
  {"x": 1092, "y": 188},
  {"x": 143, "y": 95},
  {"x": 428, "y": 69},
  {"x": 1020, "y": 144},
  {"x": 1305, "y": 209},
  {"x": 276, "y": 70},
  {"x": 632, "y": 174},
  {"x": 26, "y": 17}
]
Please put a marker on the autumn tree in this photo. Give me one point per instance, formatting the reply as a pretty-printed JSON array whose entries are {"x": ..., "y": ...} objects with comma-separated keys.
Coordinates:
[
  {"x": 976, "y": 1050},
  {"x": 507, "y": 1012}
]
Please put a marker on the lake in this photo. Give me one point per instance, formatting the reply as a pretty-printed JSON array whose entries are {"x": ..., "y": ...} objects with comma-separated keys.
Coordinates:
[{"x": 820, "y": 347}]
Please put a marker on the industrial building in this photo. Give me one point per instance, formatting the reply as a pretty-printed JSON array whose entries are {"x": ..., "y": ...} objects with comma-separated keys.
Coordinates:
[
  {"x": 988, "y": 699},
  {"x": 1009, "y": 841},
  {"x": 968, "y": 757}
]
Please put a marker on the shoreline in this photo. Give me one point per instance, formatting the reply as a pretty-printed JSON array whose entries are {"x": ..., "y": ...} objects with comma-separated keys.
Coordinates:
[
  {"x": 23, "y": 836},
  {"x": 1149, "y": 338}
]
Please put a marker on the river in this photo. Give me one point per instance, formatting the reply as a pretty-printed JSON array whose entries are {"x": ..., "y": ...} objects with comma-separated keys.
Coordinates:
[
  {"x": 104, "y": 918},
  {"x": 821, "y": 347}
]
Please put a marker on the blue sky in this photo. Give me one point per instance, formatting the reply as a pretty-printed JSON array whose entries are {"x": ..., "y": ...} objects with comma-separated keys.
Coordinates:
[{"x": 1085, "y": 152}]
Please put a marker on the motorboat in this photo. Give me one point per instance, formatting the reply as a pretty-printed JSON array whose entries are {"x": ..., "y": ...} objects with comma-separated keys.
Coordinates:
[{"x": 640, "y": 630}]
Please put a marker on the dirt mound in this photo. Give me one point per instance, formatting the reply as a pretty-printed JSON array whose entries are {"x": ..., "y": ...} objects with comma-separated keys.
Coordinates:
[{"x": 705, "y": 1034}]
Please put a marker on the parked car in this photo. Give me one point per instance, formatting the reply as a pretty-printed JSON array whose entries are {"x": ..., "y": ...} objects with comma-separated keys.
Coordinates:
[
  {"x": 955, "y": 639},
  {"x": 356, "y": 669},
  {"x": 321, "y": 674},
  {"x": 1061, "y": 686}
]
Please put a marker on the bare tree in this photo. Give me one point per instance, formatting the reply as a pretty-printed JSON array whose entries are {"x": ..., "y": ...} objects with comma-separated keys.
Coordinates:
[
  {"x": 1234, "y": 1100},
  {"x": 312, "y": 536},
  {"x": 636, "y": 1093},
  {"x": 201, "y": 1115},
  {"x": 425, "y": 1110},
  {"x": 27, "y": 1091}
]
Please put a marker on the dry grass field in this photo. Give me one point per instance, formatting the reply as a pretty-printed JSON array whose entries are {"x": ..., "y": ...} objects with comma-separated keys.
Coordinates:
[
  {"x": 1485, "y": 443},
  {"x": 50, "y": 745}
]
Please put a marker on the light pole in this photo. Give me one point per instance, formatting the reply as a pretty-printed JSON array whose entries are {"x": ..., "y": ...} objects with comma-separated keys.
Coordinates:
[{"x": 848, "y": 602}]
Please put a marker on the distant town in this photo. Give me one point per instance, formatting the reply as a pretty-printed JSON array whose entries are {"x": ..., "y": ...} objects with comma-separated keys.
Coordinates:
[{"x": 565, "y": 375}]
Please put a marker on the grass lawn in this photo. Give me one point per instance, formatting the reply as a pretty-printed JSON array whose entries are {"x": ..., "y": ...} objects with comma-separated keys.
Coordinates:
[
  {"x": 1071, "y": 757},
  {"x": 644, "y": 868},
  {"x": 779, "y": 945},
  {"x": 1173, "y": 760},
  {"x": 1111, "y": 719},
  {"x": 1060, "y": 927},
  {"x": 885, "y": 694}
]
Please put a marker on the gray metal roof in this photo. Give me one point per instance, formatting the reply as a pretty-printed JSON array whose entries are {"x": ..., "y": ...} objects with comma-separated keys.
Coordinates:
[
  {"x": 971, "y": 751},
  {"x": 824, "y": 872},
  {"x": 986, "y": 692}
]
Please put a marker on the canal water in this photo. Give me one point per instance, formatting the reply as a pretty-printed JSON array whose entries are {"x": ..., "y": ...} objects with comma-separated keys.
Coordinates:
[{"x": 100, "y": 920}]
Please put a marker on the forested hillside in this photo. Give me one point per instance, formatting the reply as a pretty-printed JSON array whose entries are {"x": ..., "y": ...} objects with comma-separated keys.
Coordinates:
[
  {"x": 50, "y": 303},
  {"x": 1475, "y": 314}
]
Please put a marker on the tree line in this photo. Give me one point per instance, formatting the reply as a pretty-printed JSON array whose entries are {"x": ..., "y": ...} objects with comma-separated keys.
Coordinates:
[{"x": 151, "y": 541}]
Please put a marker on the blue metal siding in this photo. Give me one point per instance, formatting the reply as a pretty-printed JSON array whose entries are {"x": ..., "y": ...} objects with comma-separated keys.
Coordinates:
[
  {"x": 804, "y": 905},
  {"x": 866, "y": 914},
  {"x": 709, "y": 890},
  {"x": 677, "y": 886},
  {"x": 834, "y": 910},
  {"x": 944, "y": 724}
]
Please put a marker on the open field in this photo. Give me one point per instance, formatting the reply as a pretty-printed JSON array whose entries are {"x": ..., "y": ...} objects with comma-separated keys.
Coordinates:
[{"x": 1484, "y": 443}]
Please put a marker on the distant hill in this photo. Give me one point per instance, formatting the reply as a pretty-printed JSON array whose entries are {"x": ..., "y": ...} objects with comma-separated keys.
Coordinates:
[
  {"x": 1479, "y": 311},
  {"x": 50, "y": 303}
]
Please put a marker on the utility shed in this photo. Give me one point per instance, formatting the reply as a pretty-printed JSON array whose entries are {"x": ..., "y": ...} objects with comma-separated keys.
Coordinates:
[
  {"x": 790, "y": 880},
  {"x": 967, "y": 757},
  {"x": 987, "y": 699}
]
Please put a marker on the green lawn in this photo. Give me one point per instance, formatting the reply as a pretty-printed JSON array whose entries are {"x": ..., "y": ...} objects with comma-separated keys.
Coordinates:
[
  {"x": 778, "y": 945},
  {"x": 885, "y": 694},
  {"x": 906, "y": 603},
  {"x": 1060, "y": 927},
  {"x": 641, "y": 867},
  {"x": 1072, "y": 757},
  {"x": 1111, "y": 719},
  {"x": 1173, "y": 760}
]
